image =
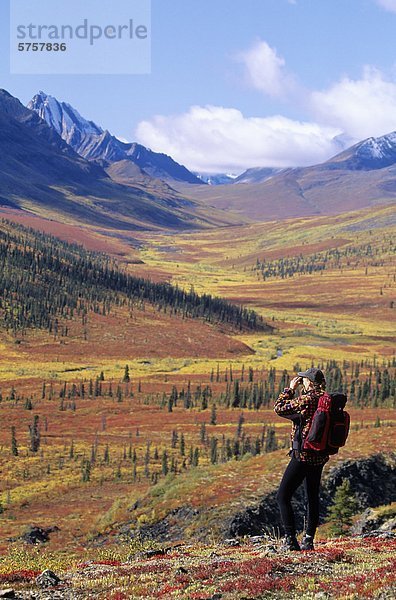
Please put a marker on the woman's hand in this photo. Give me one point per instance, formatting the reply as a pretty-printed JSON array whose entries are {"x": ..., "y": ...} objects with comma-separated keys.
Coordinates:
[{"x": 294, "y": 383}]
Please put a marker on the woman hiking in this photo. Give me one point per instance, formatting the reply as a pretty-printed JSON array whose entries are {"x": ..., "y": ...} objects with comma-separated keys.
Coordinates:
[{"x": 304, "y": 466}]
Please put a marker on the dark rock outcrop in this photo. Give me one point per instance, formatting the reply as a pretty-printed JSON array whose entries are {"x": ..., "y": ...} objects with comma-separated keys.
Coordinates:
[
  {"x": 372, "y": 479},
  {"x": 265, "y": 517},
  {"x": 169, "y": 528},
  {"x": 37, "y": 535}
]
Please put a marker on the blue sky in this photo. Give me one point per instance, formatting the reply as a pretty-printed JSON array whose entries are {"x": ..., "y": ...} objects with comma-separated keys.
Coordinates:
[{"x": 244, "y": 83}]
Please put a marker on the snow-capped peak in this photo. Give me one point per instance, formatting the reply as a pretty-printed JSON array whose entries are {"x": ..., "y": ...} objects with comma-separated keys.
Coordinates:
[{"x": 379, "y": 148}]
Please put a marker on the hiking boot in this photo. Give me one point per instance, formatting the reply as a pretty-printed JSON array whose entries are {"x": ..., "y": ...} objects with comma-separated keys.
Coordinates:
[
  {"x": 290, "y": 543},
  {"x": 307, "y": 542}
]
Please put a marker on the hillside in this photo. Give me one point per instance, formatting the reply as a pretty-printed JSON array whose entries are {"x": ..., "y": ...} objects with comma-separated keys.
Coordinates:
[
  {"x": 93, "y": 143},
  {"x": 362, "y": 176},
  {"x": 42, "y": 174},
  {"x": 89, "y": 292},
  {"x": 301, "y": 192}
]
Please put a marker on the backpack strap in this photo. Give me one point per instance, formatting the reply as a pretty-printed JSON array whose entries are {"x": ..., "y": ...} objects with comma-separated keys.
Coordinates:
[{"x": 297, "y": 440}]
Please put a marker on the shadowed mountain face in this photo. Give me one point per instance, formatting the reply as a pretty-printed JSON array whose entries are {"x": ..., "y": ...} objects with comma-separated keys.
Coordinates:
[
  {"x": 95, "y": 144},
  {"x": 40, "y": 172}
]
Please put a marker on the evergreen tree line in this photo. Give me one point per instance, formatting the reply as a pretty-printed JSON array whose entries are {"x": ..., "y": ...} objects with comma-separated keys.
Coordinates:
[
  {"x": 365, "y": 383},
  {"x": 335, "y": 258},
  {"x": 375, "y": 389},
  {"x": 43, "y": 279}
]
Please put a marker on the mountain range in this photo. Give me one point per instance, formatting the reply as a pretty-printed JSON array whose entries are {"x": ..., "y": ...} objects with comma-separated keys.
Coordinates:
[
  {"x": 56, "y": 163},
  {"x": 42, "y": 173},
  {"x": 360, "y": 176},
  {"x": 95, "y": 144}
]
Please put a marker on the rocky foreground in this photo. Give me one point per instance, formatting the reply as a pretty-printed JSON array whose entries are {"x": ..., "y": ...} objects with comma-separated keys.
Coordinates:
[{"x": 355, "y": 567}]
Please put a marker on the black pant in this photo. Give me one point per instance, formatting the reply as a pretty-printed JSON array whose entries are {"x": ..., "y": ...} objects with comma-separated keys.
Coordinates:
[{"x": 297, "y": 472}]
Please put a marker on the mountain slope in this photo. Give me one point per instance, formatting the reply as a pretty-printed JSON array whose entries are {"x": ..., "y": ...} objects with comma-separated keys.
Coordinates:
[
  {"x": 362, "y": 176},
  {"x": 70, "y": 276},
  {"x": 256, "y": 175},
  {"x": 40, "y": 172},
  {"x": 370, "y": 154},
  {"x": 93, "y": 143}
]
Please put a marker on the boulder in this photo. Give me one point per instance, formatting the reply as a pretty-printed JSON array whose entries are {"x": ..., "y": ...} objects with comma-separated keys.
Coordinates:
[
  {"x": 47, "y": 579},
  {"x": 171, "y": 527},
  {"x": 38, "y": 535},
  {"x": 383, "y": 519},
  {"x": 7, "y": 593}
]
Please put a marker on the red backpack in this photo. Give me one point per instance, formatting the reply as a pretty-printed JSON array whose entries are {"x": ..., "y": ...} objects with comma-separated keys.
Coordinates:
[{"x": 329, "y": 426}]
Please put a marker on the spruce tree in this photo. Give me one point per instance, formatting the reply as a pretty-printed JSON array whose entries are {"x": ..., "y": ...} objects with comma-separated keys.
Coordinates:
[
  {"x": 85, "y": 470},
  {"x": 14, "y": 444},
  {"x": 213, "y": 416},
  {"x": 164, "y": 461},
  {"x": 196, "y": 457},
  {"x": 34, "y": 433},
  {"x": 271, "y": 443},
  {"x": 175, "y": 438},
  {"x": 213, "y": 450},
  {"x": 182, "y": 445},
  {"x": 203, "y": 433},
  {"x": 344, "y": 506},
  {"x": 241, "y": 421},
  {"x": 126, "y": 377}
]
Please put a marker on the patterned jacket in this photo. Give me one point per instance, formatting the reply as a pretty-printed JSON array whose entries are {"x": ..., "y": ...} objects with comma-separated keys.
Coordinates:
[{"x": 305, "y": 406}]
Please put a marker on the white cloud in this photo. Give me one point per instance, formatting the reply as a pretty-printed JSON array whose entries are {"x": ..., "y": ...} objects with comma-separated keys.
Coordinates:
[
  {"x": 218, "y": 139},
  {"x": 265, "y": 69},
  {"x": 362, "y": 108},
  {"x": 388, "y": 5}
]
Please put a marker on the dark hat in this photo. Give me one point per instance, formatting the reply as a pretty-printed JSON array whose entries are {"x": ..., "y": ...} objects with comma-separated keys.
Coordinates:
[{"x": 315, "y": 375}]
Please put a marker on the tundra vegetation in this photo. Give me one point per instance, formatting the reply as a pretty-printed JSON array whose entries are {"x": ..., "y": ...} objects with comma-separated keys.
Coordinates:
[{"x": 139, "y": 380}]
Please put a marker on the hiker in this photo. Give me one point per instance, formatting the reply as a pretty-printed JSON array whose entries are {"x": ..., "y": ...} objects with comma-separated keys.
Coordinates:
[{"x": 304, "y": 466}]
